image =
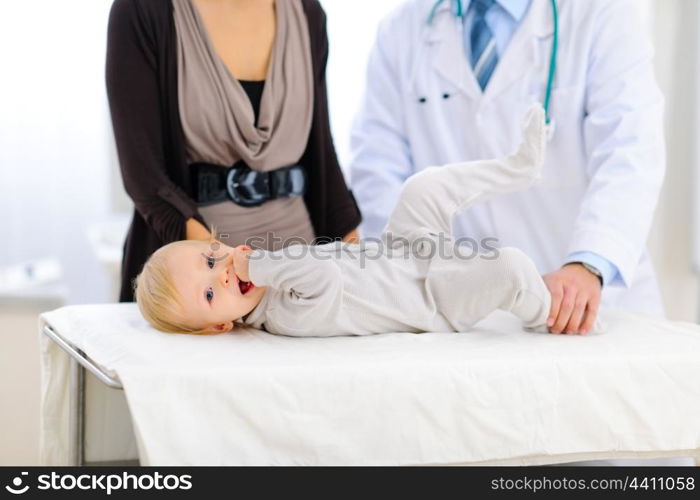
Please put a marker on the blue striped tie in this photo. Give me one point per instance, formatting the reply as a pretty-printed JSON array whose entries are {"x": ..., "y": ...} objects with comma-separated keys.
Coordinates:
[{"x": 483, "y": 44}]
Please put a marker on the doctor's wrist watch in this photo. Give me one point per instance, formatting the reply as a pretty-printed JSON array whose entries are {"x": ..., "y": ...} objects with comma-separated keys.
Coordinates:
[{"x": 591, "y": 269}]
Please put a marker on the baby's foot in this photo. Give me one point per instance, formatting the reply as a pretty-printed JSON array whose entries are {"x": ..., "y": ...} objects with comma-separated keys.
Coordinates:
[
  {"x": 530, "y": 155},
  {"x": 599, "y": 326}
]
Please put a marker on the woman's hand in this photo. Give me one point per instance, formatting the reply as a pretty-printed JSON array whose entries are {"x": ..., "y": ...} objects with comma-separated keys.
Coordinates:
[
  {"x": 352, "y": 237},
  {"x": 241, "y": 262},
  {"x": 196, "y": 231}
]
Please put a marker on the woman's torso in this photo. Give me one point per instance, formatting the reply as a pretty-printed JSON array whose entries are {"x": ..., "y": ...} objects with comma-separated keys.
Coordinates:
[{"x": 227, "y": 120}]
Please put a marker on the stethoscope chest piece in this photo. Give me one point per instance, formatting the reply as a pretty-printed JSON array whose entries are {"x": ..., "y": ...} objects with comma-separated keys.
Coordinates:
[{"x": 551, "y": 129}]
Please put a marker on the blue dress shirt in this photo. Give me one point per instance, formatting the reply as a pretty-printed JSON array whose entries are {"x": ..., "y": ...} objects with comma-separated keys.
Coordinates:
[{"x": 502, "y": 19}]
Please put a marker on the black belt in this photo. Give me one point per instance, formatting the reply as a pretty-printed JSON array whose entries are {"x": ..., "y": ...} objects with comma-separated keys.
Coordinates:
[{"x": 245, "y": 186}]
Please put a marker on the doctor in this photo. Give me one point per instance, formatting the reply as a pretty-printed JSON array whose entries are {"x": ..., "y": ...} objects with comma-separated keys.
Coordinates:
[{"x": 450, "y": 81}]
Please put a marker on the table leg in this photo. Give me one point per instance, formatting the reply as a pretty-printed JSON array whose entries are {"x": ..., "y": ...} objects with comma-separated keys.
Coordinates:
[{"x": 76, "y": 415}]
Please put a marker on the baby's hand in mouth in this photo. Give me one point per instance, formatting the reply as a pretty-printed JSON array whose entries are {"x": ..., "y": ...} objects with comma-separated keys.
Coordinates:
[{"x": 240, "y": 265}]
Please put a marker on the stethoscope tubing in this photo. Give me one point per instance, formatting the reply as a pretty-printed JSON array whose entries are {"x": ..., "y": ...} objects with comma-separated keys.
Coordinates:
[{"x": 552, "y": 61}]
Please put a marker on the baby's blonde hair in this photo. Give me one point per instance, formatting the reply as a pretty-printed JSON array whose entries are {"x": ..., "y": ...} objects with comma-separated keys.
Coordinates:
[{"x": 157, "y": 297}]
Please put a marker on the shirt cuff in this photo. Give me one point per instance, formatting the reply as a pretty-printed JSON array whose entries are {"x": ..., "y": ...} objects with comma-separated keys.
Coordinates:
[{"x": 610, "y": 273}]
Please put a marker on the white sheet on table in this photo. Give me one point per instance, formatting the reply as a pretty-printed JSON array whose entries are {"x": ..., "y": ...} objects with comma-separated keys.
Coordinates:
[{"x": 494, "y": 395}]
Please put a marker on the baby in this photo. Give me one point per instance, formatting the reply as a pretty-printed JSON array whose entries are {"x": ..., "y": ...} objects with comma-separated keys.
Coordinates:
[{"x": 414, "y": 280}]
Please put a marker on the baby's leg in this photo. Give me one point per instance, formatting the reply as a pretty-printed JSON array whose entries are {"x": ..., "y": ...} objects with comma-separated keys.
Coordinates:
[
  {"x": 467, "y": 291},
  {"x": 431, "y": 197}
]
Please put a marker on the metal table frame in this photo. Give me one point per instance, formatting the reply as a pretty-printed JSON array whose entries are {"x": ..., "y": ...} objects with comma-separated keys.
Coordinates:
[{"x": 79, "y": 362}]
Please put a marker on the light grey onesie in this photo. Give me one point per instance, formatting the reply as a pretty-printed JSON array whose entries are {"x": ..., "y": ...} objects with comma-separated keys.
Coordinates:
[{"x": 420, "y": 284}]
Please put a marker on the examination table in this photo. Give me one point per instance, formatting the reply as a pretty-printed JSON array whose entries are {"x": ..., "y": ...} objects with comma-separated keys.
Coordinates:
[{"x": 495, "y": 395}]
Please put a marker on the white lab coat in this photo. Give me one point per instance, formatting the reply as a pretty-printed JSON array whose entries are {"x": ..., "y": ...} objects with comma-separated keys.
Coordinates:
[{"x": 606, "y": 158}]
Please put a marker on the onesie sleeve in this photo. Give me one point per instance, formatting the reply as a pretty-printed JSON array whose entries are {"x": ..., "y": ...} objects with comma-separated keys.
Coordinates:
[{"x": 310, "y": 281}]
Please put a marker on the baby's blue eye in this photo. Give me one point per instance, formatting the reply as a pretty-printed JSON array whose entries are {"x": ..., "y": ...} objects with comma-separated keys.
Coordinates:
[
  {"x": 211, "y": 261},
  {"x": 210, "y": 294}
]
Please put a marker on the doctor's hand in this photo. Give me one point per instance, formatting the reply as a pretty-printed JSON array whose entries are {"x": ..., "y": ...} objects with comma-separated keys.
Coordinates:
[{"x": 575, "y": 299}]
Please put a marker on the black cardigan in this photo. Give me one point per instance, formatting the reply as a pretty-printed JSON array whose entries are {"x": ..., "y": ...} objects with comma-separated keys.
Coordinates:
[{"x": 143, "y": 98}]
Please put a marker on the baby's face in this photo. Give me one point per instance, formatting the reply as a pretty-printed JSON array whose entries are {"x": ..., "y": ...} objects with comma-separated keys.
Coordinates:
[{"x": 212, "y": 294}]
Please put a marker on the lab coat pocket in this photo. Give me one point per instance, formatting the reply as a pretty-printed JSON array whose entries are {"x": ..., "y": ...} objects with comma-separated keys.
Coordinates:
[
  {"x": 436, "y": 113},
  {"x": 565, "y": 160}
]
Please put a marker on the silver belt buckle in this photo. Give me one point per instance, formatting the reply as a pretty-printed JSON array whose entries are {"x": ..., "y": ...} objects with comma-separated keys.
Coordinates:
[{"x": 247, "y": 187}]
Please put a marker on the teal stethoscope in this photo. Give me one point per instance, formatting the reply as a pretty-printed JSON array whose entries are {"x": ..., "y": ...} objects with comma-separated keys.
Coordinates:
[{"x": 459, "y": 12}]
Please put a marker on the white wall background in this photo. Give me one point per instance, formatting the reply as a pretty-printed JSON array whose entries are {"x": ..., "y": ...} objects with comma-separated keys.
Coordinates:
[
  {"x": 351, "y": 30},
  {"x": 54, "y": 136},
  {"x": 675, "y": 32}
]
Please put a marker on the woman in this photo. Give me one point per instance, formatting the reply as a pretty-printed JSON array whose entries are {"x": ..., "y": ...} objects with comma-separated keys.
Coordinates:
[{"x": 198, "y": 86}]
